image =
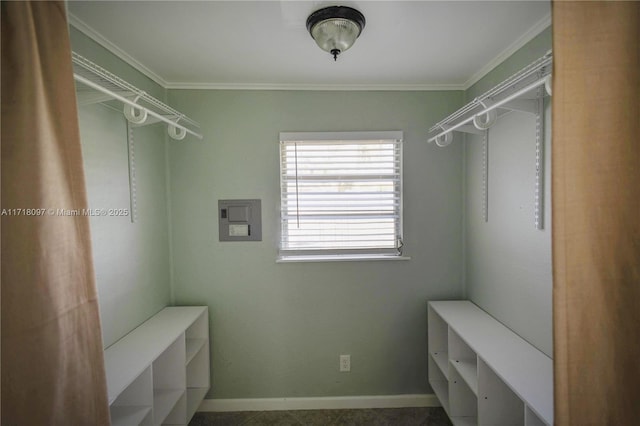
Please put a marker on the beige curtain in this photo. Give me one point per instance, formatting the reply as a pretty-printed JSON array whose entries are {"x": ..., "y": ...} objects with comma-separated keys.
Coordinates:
[
  {"x": 52, "y": 359},
  {"x": 596, "y": 212}
]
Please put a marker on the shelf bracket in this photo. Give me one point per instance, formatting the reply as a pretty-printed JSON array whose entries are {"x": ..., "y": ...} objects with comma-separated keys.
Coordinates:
[
  {"x": 93, "y": 97},
  {"x": 522, "y": 105},
  {"x": 468, "y": 128},
  {"x": 485, "y": 176},
  {"x": 131, "y": 152}
]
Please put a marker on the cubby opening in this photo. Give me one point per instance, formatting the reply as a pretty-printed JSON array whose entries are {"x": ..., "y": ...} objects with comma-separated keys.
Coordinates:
[
  {"x": 133, "y": 406},
  {"x": 497, "y": 404},
  {"x": 197, "y": 369},
  {"x": 197, "y": 335},
  {"x": 438, "y": 332},
  {"x": 177, "y": 414},
  {"x": 169, "y": 383},
  {"x": 464, "y": 360},
  {"x": 438, "y": 341},
  {"x": 463, "y": 403},
  {"x": 439, "y": 383},
  {"x": 197, "y": 363}
]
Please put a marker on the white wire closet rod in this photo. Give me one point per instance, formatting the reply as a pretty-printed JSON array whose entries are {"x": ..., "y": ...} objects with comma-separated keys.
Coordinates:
[
  {"x": 487, "y": 102},
  {"x": 114, "y": 87},
  {"x": 135, "y": 105},
  {"x": 544, "y": 80}
]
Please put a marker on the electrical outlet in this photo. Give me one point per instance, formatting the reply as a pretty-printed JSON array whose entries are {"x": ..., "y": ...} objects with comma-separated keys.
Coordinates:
[{"x": 345, "y": 363}]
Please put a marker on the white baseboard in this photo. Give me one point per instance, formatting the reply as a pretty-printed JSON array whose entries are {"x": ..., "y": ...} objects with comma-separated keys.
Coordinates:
[{"x": 320, "y": 403}]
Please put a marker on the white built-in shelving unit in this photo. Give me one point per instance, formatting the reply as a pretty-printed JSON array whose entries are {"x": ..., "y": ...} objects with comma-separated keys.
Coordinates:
[
  {"x": 159, "y": 373},
  {"x": 483, "y": 373}
]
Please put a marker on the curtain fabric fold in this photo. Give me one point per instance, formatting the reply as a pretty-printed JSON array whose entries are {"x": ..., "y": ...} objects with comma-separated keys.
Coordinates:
[
  {"x": 52, "y": 356},
  {"x": 596, "y": 212}
]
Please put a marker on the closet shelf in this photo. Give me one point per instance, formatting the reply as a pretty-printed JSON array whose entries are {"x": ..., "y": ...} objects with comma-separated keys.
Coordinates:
[
  {"x": 99, "y": 85},
  {"x": 514, "y": 93},
  {"x": 442, "y": 361}
]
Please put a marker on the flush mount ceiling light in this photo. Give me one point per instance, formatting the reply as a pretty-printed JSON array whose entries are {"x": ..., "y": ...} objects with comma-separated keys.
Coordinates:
[{"x": 335, "y": 28}]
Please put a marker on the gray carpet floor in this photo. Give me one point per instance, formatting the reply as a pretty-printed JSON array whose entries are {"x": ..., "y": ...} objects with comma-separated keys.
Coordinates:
[{"x": 423, "y": 416}]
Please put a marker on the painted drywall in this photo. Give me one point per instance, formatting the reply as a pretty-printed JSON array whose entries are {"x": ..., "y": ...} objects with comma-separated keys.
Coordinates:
[
  {"x": 131, "y": 260},
  {"x": 508, "y": 260},
  {"x": 278, "y": 329}
]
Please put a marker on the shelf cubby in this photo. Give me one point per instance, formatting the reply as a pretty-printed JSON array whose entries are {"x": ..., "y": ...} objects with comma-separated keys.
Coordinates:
[
  {"x": 463, "y": 403},
  {"x": 164, "y": 402},
  {"x": 468, "y": 371},
  {"x": 437, "y": 340},
  {"x": 441, "y": 359},
  {"x": 497, "y": 404},
  {"x": 438, "y": 333},
  {"x": 464, "y": 360},
  {"x": 441, "y": 389},
  {"x": 169, "y": 381},
  {"x": 197, "y": 368},
  {"x": 133, "y": 405},
  {"x": 197, "y": 363},
  {"x": 193, "y": 348},
  {"x": 439, "y": 383}
]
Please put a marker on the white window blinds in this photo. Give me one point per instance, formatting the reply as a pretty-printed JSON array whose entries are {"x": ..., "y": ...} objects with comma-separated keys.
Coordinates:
[{"x": 341, "y": 194}]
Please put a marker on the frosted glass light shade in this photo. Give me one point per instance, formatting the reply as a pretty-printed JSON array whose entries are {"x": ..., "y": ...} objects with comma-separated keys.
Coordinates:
[
  {"x": 335, "y": 28},
  {"x": 337, "y": 34}
]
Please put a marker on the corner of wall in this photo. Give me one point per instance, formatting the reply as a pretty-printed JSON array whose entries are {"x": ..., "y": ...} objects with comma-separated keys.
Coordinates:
[
  {"x": 463, "y": 225},
  {"x": 167, "y": 177}
]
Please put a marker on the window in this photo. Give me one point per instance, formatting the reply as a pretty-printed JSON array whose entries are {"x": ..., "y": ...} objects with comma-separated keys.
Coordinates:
[{"x": 341, "y": 195}]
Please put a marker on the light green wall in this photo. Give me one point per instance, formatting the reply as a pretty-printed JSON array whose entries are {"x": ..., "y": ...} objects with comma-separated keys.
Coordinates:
[
  {"x": 508, "y": 261},
  {"x": 277, "y": 329},
  {"x": 131, "y": 260}
]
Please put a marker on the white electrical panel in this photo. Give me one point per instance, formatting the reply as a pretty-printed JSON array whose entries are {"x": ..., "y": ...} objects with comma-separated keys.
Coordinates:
[{"x": 239, "y": 220}]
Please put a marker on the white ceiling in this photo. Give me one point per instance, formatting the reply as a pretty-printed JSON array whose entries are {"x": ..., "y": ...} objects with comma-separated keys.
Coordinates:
[{"x": 265, "y": 44}]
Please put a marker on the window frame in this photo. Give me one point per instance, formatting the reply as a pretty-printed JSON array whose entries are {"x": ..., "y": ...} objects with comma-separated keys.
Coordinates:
[{"x": 333, "y": 254}]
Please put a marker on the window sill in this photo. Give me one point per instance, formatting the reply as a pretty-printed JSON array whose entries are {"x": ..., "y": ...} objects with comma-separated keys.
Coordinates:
[{"x": 339, "y": 258}]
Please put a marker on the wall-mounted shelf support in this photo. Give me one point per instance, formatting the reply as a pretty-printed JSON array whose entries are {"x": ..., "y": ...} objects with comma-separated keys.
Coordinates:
[
  {"x": 538, "y": 202},
  {"x": 133, "y": 188},
  {"x": 485, "y": 176},
  {"x": 468, "y": 128},
  {"x": 522, "y": 105}
]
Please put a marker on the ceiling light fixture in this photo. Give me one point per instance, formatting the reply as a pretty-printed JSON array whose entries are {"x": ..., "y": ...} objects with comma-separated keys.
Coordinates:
[{"x": 335, "y": 28}]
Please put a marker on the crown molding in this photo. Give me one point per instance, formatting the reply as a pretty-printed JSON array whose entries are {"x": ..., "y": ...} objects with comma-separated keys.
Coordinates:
[
  {"x": 107, "y": 44},
  {"x": 510, "y": 50},
  {"x": 315, "y": 87},
  {"x": 111, "y": 47}
]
